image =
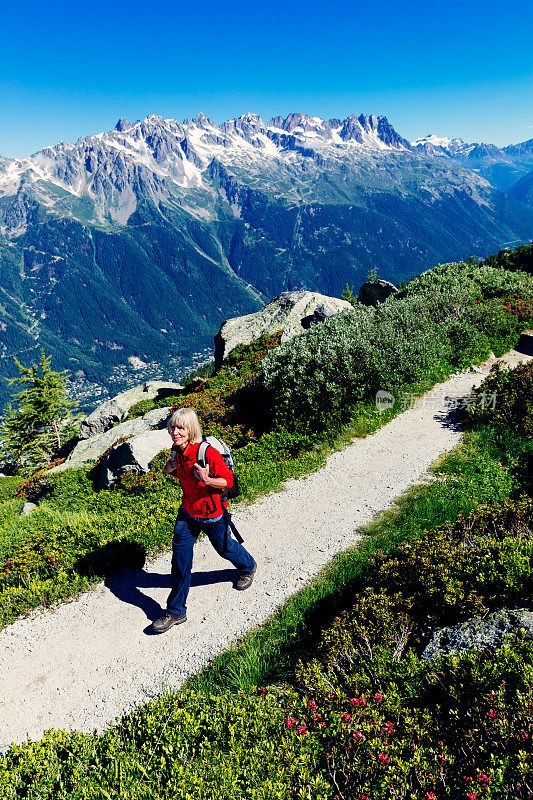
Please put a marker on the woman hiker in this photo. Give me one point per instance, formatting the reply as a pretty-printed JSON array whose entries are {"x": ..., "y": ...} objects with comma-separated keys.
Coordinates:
[{"x": 202, "y": 509}]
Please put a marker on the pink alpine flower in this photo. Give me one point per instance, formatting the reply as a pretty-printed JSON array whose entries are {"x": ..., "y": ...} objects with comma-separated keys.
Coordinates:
[
  {"x": 346, "y": 717},
  {"x": 472, "y": 796},
  {"x": 312, "y": 705},
  {"x": 388, "y": 728},
  {"x": 358, "y": 701},
  {"x": 358, "y": 736},
  {"x": 302, "y": 729},
  {"x": 378, "y": 697},
  {"x": 492, "y": 714},
  {"x": 383, "y": 757},
  {"x": 290, "y": 722},
  {"x": 483, "y": 779},
  {"x": 431, "y": 796}
]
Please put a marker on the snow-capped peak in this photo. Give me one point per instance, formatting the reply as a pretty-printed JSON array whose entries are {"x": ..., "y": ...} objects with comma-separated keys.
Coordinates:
[{"x": 445, "y": 143}]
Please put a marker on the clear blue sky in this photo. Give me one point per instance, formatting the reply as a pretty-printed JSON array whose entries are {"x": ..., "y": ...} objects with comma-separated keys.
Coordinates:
[{"x": 451, "y": 68}]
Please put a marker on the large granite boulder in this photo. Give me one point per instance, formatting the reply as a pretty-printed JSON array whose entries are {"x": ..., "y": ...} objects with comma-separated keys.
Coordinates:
[
  {"x": 88, "y": 451},
  {"x": 132, "y": 456},
  {"x": 113, "y": 411},
  {"x": 374, "y": 292},
  {"x": 483, "y": 634},
  {"x": 291, "y": 312}
]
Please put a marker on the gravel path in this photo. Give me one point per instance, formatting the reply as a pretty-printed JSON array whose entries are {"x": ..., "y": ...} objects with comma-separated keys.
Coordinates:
[{"x": 91, "y": 660}]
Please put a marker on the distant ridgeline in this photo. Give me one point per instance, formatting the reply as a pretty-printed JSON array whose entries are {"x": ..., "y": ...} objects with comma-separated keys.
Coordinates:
[{"x": 138, "y": 242}]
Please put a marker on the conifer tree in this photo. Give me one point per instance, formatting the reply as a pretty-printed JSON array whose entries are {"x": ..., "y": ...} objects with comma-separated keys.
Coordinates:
[
  {"x": 349, "y": 295},
  {"x": 41, "y": 421}
]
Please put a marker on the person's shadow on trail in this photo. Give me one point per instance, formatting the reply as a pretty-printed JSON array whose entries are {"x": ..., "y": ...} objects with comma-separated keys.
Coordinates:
[
  {"x": 126, "y": 585},
  {"x": 454, "y": 415}
]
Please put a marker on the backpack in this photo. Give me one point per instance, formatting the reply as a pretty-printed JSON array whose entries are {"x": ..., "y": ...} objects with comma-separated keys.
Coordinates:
[{"x": 225, "y": 452}]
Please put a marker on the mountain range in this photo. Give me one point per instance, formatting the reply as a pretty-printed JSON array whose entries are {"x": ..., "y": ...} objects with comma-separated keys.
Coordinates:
[{"x": 137, "y": 242}]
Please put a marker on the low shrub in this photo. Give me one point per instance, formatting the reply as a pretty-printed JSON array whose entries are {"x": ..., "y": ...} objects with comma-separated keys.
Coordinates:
[
  {"x": 444, "y": 319},
  {"x": 224, "y": 401},
  {"x": 398, "y": 727},
  {"x": 505, "y": 399},
  {"x": 35, "y": 487},
  {"x": 521, "y": 258}
]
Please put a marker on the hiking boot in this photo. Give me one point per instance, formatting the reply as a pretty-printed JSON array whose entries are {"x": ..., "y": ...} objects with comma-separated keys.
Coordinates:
[
  {"x": 167, "y": 621},
  {"x": 245, "y": 579}
]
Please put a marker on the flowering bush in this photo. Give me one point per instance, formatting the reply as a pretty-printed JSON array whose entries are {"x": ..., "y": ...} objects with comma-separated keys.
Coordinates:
[
  {"x": 513, "y": 399},
  {"x": 35, "y": 487}
]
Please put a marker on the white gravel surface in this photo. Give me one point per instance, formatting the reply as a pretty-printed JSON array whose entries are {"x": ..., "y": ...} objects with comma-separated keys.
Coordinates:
[{"x": 89, "y": 661}]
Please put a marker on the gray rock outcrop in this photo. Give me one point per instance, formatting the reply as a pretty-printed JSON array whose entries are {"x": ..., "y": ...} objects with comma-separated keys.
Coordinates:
[
  {"x": 291, "y": 312},
  {"x": 373, "y": 292},
  {"x": 88, "y": 451},
  {"x": 114, "y": 411},
  {"x": 132, "y": 456},
  {"x": 27, "y": 509},
  {"x": 482, "y": 634}
]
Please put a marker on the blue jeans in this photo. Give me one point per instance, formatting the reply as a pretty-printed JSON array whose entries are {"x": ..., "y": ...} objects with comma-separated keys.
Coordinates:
[{"x": 186, "y": 532}]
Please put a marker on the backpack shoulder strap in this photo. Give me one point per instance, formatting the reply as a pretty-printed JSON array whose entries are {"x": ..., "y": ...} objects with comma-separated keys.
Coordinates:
[{"x": 204, "y": 444}]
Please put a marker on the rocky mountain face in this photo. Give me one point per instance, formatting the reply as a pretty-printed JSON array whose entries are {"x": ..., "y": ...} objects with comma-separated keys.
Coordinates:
[
  {"x": 137, "y": 242},
  {"x": 502, "y": 167}
]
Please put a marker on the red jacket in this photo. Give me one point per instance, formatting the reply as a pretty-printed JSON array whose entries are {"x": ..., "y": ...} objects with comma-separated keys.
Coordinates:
[{"x": 200, "y": 500}]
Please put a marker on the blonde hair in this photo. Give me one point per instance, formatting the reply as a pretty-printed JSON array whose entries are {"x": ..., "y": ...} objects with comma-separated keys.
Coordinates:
[{"x": 186, "y": 417}]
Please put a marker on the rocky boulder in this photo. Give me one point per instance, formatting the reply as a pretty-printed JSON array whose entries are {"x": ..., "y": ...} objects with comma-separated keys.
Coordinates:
[
  {"x": 132, "y": 456},
  {"x": 483, "y": 634},
  {"x": 114, "y": 411},
  {"x": 88, "y": 451},
  {"x": 291, "y": 312},
  {"x": 374, "y": 292}
]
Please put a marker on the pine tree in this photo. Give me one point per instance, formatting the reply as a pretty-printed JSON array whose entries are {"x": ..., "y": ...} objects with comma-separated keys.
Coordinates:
[
  {"x": 349, "y": 295},
  {"x": 41, "y": 420}
]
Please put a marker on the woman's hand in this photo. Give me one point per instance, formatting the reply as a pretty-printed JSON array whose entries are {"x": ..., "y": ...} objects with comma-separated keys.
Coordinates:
[
  {"x": 202, "y": 474},
  {"x": 170, "y": 466}
]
